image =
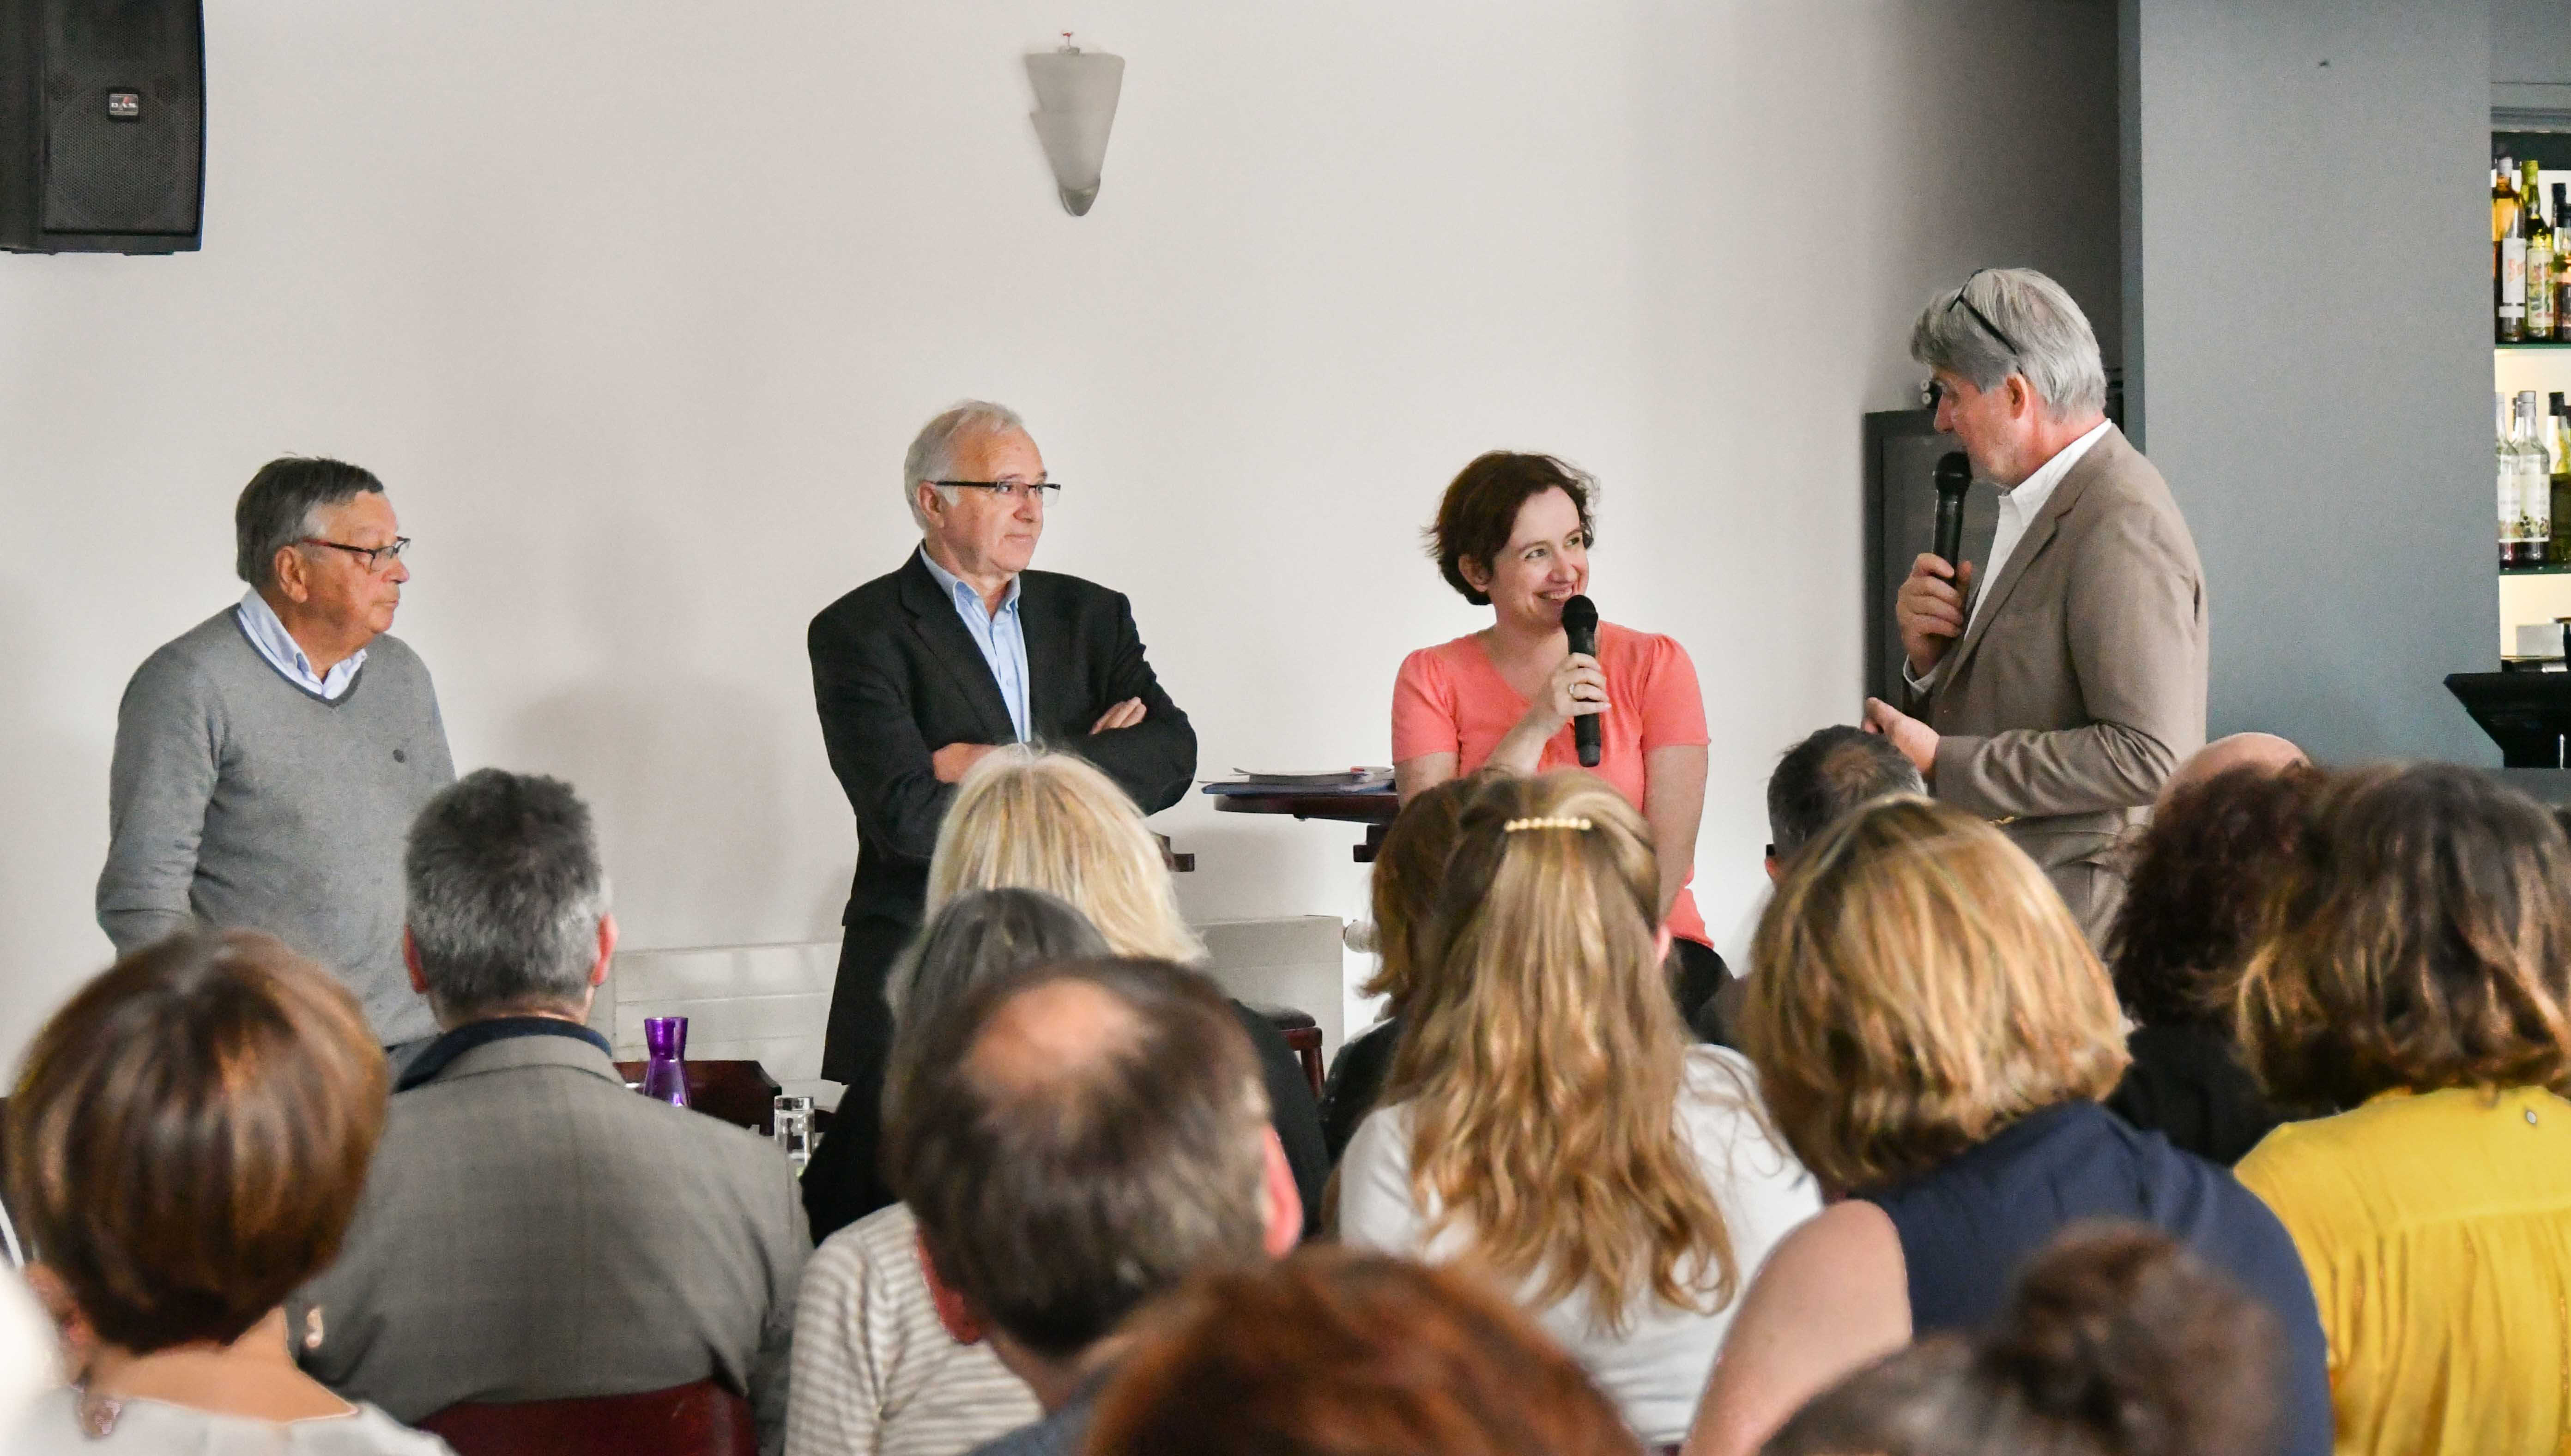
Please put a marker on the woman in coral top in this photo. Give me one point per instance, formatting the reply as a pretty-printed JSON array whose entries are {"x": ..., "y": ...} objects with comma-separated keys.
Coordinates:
[{"x": 1513, "y": 534}]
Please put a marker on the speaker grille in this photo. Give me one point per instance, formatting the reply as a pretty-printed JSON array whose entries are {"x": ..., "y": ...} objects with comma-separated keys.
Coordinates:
[{"x": 105, "y": 173}]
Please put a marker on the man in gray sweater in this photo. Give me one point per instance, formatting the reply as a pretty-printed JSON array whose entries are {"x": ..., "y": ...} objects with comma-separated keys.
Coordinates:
[{"x": 268, "y": 762}]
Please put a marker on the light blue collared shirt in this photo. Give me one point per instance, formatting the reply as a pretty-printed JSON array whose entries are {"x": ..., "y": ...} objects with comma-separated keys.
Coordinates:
[
  {"x": 1003, "y": 646},
  {"x": 260, "y": 625}
]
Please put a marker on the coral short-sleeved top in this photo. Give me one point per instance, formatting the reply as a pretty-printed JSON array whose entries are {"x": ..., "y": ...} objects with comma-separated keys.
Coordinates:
[{"x": 1450, "y": 699}]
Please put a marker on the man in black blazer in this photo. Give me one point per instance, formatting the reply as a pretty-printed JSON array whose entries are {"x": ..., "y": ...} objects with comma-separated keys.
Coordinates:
[{"x": 962, "y": 648}]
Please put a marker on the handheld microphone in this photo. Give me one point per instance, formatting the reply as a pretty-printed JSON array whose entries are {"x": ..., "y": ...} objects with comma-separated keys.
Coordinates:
[
  {"x": 1954, "y": 477},
  {"x": 1580, "y": 625}
]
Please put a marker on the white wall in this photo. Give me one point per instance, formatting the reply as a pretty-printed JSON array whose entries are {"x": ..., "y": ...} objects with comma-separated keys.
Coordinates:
[{"x": 635, "y": 304}]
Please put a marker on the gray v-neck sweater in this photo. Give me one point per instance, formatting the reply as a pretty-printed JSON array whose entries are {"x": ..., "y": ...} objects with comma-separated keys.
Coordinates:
[{"x": 241, "y": 799}]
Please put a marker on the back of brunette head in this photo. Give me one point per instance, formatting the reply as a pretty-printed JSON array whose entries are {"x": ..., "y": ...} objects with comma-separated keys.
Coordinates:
[
  {"x": 1480, "y": 510},
  {"x": 978, "y": 937},
  {"x": 1919, "y": 986},
  {"x": 2423, "y": 940},
  {"x": 1552, "y": 1135},
  {"x": 1078, "y": 1137},
  {"x": 189, "y": 1135},
  {"x": 1826, "y": 776},
  {"x": 2198, "y": 888},
  {"x": 2117, "y": 1342},
  {"x": 1410, "y": 869},
  {"x": 1339, "y": 1353}
]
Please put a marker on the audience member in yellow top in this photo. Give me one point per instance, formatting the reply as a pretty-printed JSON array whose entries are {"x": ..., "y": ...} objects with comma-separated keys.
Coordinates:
[{"x": 2420, "y": 978}]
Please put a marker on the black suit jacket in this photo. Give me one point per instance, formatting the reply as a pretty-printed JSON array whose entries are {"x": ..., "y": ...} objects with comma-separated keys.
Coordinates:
[{"x": 896, "y": 677}]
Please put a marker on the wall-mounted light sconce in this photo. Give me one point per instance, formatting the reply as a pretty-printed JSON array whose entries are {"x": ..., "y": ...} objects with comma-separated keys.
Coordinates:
[{"x": 1075, "y": 107}]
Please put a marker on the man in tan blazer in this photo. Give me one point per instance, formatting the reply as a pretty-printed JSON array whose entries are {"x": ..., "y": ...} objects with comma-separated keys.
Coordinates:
[
  {"x": 531, "y": 1229},
  {"x": 2059, "y": 697}
]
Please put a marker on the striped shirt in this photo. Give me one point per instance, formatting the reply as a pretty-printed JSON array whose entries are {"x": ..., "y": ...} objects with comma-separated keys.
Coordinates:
[{"x": 876, "y": 1374}]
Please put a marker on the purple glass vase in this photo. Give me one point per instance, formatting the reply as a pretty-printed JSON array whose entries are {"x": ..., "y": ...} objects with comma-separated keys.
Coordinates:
[{"x": 664, "y": 1078}]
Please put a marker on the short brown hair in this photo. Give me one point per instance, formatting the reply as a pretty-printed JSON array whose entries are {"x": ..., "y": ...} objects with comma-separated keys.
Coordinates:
[
  {"x": 1057, "y": 1192},
  {"x": 1481, "y": 507},
  {"x": 190, "y": 1135},
  {"x": 1339, "y": 1353},
  {"x": 1919, "y": 986},
  {"x": 2116, "y": 1342},
  {"x": 2200, "y": 880},
  {"x": 1409, "y": 870},
  {"x": 2423, "y": 940}
]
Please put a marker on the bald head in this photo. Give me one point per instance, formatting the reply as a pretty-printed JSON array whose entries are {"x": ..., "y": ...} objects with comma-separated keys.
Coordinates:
[
  {"x": 1079, "y": 1138},
  {"x": 1046, "y": 1039},
  {"x": 2266, "y": 753}
]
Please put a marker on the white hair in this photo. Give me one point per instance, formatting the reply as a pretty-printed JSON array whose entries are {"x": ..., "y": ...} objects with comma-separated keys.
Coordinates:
[
  {"x": 2054, "y": 347},
  {"x": 931, "y": 456}
]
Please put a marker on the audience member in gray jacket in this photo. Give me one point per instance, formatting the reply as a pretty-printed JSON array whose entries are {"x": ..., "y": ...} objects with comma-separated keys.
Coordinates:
[
  {"x": 269, "y": 761},
  {"x": 531, "y": 1229}
]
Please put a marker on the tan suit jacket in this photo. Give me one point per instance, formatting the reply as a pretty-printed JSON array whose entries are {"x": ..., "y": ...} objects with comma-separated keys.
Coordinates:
[
  {"x": 531, "y": 1231},
  {"x": 2080, "y": 685}
]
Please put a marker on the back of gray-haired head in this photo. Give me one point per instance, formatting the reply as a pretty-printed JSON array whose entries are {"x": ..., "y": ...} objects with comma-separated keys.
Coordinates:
[
  {"x": 2056, "y": 350},
  {"x": 505, "y": 894},
  {"x": 978, "y": 937},
  {"x": 1827, "y": 774},
  {"x": 281, "y": 506},
  {"x": 932, "y": 452}
]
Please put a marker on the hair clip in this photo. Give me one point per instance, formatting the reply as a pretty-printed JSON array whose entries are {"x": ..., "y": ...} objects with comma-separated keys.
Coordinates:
[{"x": 1515, "y": 826}]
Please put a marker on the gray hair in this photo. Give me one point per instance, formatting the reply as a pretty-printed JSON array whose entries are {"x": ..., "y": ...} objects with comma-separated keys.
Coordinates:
[
  {"x": 506, "y": 894},
  {"x": 281, "y": 505},
  {"x": 976, "y": 938},
  {"x": 931, "y": 455},
  {"x": 1827, "y": 774},
  {"x": 2056, "y": 350}
]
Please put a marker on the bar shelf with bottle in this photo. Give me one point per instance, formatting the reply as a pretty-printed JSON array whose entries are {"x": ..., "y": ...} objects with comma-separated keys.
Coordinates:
[{"x": 2531, "y": 379}]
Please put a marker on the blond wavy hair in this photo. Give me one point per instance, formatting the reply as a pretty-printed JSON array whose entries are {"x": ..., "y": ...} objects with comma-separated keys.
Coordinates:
[
  {"x": 1916, "y": 986},
  {"x": 1543, "y": 1059},
  {"x": 1041, "y": 820}
]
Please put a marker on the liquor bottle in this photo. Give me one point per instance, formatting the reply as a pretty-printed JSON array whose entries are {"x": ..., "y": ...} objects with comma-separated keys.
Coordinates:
[
  {"x": 2508, "y": 253},
  {"x": 2559, "y": 420},
  {"x": 2534, "y": 482},
  {"x": 2541, "y": 266},
  {"x": 2562, "y": 262},
  {"x": 2505, "y": 459}
]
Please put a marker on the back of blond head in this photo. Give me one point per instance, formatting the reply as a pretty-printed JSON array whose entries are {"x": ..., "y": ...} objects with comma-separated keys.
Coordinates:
[
  {"x": 1543, "y": 1058},
  {"x": 1035, "y": 819},
  {"x": 1918, "y": 985}
]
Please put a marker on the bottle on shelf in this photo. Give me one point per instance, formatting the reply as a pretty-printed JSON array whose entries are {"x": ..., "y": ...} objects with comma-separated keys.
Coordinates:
[
  {"x": 2558, "y": 421},
  {"x": 2511, "y": 543},
  {"x": 2562, "y": 262},
  {"x": 2508, "y": 253},
  {"x": 2542, "y": 264},
  {"x": 2534, "y": 482}
]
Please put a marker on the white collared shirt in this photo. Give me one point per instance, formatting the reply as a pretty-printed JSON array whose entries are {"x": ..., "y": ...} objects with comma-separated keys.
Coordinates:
[
  {"x": 265, "y": 631},
  {"x": 2020, "y": 504},
  {"x": 998, "y": 633}
]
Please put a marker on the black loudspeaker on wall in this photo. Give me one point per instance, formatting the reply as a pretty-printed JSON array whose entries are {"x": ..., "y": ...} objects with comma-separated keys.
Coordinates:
[{"x": 102, "y": 125}]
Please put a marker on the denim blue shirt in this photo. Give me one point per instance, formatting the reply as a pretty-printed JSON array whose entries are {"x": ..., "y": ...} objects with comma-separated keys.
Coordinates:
[
  {"x": 260, "y": 625},
  {"x": 1003, "y": 646}
]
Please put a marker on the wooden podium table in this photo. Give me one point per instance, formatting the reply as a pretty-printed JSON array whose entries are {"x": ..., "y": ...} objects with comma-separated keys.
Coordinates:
[{"x": 1373, "y": 809}]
